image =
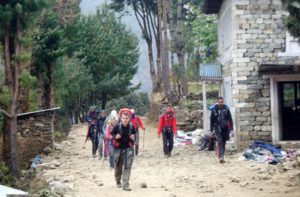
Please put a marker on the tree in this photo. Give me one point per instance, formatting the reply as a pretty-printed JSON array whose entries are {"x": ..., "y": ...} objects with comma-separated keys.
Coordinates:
[
  {"x": 138, "y": 101},
  {"x": 293, "y": 20},
  {"x": 165, "y": 67},
  {"x": 146, "y": 13},
  {"x": 110, "y": 51},
  {"x": 204, "y": 28},
  {"x": 47, "y": 48},
  {"x": 180, "y": 46},
  {"x": 73, "y": 82},
  {"x": 14, "y": 18},
  {"x": 200, "y": 37}
]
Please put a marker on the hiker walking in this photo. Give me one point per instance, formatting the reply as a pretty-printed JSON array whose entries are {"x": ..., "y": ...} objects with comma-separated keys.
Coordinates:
[
  {"x": 221, "y": 125},
  {"x": 108, "y": 140},
  {"x": 137, "y": 123},
  {"x": 167, "y": 126},
  {"x": 93, "y": 135},
  {"x": 100, "y": 123},
  {"x": 113, "y": 114},
  {"x": 123, "y": 141},
  {"x": 91, "y": 117}
]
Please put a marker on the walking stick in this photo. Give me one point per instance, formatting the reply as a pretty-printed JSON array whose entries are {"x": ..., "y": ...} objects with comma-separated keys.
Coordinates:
[
  {"x": 103, "y": 147},
  {"x": 144, "y": 140},
  {"x": 86, "y": 139}
]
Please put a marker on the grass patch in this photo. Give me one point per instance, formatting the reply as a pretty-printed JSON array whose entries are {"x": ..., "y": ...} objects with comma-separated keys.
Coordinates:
[{"x": 196, "y": 87}]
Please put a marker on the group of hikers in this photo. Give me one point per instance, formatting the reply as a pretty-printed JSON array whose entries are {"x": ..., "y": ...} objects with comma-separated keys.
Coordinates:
[
  {"x": 117, "y": 136},
  {"x": 119, "y": 133}
]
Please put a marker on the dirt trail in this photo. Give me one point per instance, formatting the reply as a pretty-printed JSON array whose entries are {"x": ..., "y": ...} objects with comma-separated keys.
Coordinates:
[{"x": 187, "y": 173}]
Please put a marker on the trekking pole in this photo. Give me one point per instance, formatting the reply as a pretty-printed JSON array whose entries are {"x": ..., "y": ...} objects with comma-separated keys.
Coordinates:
[
  {"x": 83, "y": 147},
  {"x": 144, "y": 140},
  {"x": 103, "y": 152}
]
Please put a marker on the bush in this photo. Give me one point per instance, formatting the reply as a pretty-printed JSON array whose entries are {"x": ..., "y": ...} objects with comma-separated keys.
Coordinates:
[
  {"x": 138, "y": 101},
  {"x": 5, "y": 177}
]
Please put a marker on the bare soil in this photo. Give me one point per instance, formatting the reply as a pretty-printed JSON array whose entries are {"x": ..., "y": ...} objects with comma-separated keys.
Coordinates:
[{"x": 187, "y": 173}]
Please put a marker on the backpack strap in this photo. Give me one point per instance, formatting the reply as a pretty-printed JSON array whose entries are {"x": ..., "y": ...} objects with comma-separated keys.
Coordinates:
[{"x": 130, "y": 128}]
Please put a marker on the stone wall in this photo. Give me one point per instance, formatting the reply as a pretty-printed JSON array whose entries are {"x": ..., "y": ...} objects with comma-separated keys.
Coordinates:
[
  {"x": 258, "y": 36},
  {"x": 35, "y": 132}
]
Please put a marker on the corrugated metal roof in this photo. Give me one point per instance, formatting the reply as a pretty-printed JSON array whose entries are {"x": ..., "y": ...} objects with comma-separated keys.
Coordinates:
[{"x": 212, "y": 71}]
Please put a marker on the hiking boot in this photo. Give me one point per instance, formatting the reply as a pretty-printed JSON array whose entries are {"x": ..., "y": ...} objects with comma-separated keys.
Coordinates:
[
  {"x": 222, "y": 160},
  {"x": 169, "y": 155},
  {"x": 127, "y": 189},
  {"x": 136, "y": 150},
  {"x": 166, "y": 156},
  {"x": 119, "y": 185}
]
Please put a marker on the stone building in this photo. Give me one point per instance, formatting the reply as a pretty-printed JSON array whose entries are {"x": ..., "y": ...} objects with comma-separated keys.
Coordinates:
[{"x": 261, "y": 71}]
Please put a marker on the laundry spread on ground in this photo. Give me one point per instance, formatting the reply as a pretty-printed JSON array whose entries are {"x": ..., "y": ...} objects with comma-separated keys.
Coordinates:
[
  {"x": 183, "y": 138},
  {"x": 266, "y": 153}
]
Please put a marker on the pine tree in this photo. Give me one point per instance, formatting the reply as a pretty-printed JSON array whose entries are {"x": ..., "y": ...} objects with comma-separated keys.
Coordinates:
[
  {"x": 110, "y": 51},
  {"x": 15, "y": 17}
]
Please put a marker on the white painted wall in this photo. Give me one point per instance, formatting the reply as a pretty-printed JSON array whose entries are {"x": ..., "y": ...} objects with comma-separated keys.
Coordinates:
[
  {"x": 225, "y": 32},
  {"x": 292, "y": 46}
]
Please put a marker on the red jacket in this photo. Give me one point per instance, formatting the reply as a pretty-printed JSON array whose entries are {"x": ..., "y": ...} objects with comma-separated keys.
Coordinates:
[
  {"x": 165, "y": 121},
  {"x": 137, "y": 122}
]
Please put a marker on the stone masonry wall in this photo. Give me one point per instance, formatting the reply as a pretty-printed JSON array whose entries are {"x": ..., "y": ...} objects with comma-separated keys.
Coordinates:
[
  {"x": 258, "y": 36},
  {"x": 35, "y": 132}
]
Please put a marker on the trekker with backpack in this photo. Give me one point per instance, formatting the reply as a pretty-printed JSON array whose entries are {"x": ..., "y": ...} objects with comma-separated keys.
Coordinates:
[
  {"x": 93, "y": 135},
  {"x": 100, "y": 123},
  {"x": 123, "y": 141},
  {"x": 137, "y": 123},
  {"x": 221, "y": 125},
  {"x": 108, "y": 140},
  {"x": 91, "y": 117},
  {"x": 167, "y": 127}
]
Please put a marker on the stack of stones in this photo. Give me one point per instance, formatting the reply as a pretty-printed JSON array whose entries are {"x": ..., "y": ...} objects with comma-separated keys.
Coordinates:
[
  {"x": 189, "y": 120},
  {"x": 35, "y": 132}
]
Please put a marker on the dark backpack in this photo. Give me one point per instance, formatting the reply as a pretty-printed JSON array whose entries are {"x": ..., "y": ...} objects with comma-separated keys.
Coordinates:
[
  {"x": 222, "y": 118},
  {"x": 117, "y": 142}
]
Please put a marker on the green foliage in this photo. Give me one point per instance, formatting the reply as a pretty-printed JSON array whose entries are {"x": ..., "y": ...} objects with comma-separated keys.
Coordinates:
[
  {"x": 109, "y": 50},
  {"x": 4, "y": 92},
  {"x": 5, "y": 97},
  {"x": 45, "y": 193},
  {"x": 72, "y": 81},
  {"x": 47, "y": 43},
  {"x": 176, "y": 71},
  {"x": 204, "y": 34},
  {"x": 293, "y": 20},
  {"x": 27, "y": 80},
  {"x": 5, "y": 177},
  {"x": 24, "y": 10},
  {"x": 138, "y": 101}
]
